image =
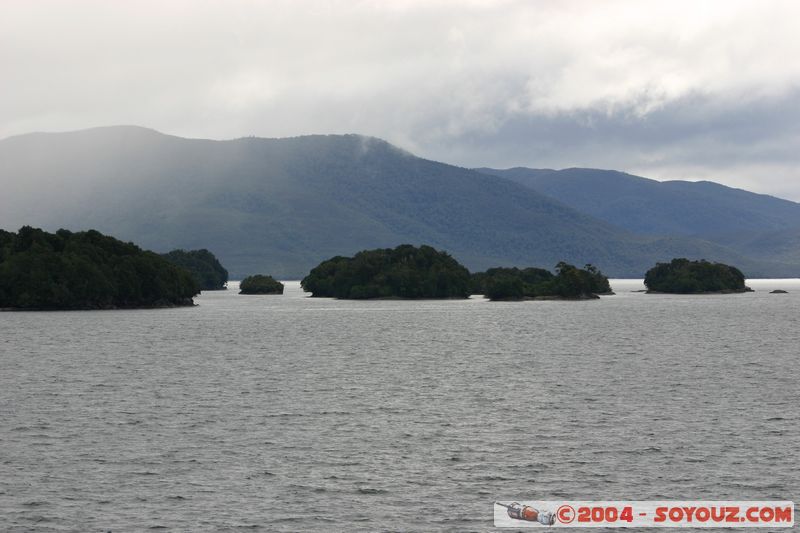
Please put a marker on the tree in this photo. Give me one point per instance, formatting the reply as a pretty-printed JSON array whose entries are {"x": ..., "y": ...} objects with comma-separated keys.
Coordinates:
[
  {"x": 260, "y": 284},
  {"x": 514, "y": 284},
  {"x": 85, "y": 270},
  {"x": 686, "y": 277},
  {"x": 403, "y": 272},
  {"x": 203, "y": 265}
]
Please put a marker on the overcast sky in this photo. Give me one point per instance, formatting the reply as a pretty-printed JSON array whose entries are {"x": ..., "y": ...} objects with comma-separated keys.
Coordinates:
[{"x": 668, "y": 89}]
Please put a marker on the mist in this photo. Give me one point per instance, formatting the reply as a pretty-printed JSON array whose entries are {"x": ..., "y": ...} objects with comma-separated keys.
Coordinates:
[{"x": 672, "y": 91}]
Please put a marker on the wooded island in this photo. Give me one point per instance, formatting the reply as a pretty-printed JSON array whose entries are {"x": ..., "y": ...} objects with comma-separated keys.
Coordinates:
[
  {"x": 86, "y": 270},
  {"x": 682, "y": 276}
]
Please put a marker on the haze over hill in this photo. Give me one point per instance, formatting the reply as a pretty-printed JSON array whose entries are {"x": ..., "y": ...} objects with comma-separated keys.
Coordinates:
[
  {"x": 754, "y": 224},
  {"x": 282, "y": 205}
]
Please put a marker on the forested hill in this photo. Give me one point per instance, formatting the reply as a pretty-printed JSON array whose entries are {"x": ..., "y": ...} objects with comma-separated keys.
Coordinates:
[
  {"x": 86, "y": 270},
  {"x": 283, "y": 205},
  {"x": 754, "y": 224}
]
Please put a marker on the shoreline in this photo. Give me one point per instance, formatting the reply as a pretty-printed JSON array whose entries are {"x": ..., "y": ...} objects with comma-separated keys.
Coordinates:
[
  {"x": 724, "y": 291},
  {"x": 584, "y": 297},
  {"x": 393, "y": 298},
  {"x": 97, "y": 308}
]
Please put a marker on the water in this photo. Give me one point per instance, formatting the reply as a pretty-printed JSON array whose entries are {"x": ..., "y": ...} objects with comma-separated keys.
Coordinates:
[{"x": 284, "y": 413}]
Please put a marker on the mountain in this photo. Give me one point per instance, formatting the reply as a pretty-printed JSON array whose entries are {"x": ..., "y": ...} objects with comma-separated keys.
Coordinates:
[
  {"x": 280, "y": 206},
  {"x": 753, "y": 224},
  {"x": 780, "y": 245}
]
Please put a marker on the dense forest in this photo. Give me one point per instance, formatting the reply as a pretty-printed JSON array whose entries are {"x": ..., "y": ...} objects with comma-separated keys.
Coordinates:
[
  {"x": 260, "y": 284},
  {"x": 402, "y": 272},
  {"x": 86, "y": 270},
  {"x": 568, "y": 282},
  {"x": 204, "y": 267},
  {"x": 249, "y": 200},
  {"x": 683, "y": 276}
]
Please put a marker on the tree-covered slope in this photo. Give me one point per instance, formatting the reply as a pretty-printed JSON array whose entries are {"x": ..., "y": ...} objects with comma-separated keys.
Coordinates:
[
  {"x": 283, "y": 205},
  {"x": 569, "y": 282},
  {"x": 403, "y": 272},
  {"x": 260, "y": 284},
  {"x": 85, "y": 270},
  {"x": 700, "y": 209},
  {"x": 682, "y": 276},
  {"x": 204, "y": 267}
]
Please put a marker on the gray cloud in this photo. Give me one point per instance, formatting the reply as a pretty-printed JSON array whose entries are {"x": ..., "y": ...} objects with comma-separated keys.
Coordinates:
[{"x": 678, "y": 90}]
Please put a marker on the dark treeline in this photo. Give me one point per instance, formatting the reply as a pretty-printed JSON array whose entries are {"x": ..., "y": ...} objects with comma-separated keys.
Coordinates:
[
  {"x": 410, "y": 272},
  {"x": 686, "y": 277},
  {"x": 402, "y": 272},
  {"x": 85, "y": 270},
  {"x": 88, "y": 270},
  {"x": 204, "y": 267},
  {"x": 517, "y": 284},
  {"x": 260, "y": 284}
]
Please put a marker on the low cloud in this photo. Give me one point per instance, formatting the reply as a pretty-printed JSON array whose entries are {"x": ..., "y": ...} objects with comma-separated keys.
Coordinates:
[{"x": 678, "y": 90}]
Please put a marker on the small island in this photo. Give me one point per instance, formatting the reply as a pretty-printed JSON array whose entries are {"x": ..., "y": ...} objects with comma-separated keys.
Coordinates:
[
  {"x": 682, "y": 276},
  {"x": 86, "y": 270},
  {"x": 260, "y": 284},
  {"x": 404, "y": 272},
  {"x": 569, "y": 283},
  {"x": 204, "y": 267}
]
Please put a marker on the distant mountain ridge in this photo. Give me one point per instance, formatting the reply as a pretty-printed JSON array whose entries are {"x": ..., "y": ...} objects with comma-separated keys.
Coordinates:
[
  {"x": 752, "y": 224},
  {"x": 283, "y": 205}
]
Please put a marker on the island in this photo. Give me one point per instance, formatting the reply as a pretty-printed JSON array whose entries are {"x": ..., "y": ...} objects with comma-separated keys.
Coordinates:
[
  {"x": 406, "y": 272},
  {"x": 260, "y": 284},
  {"x": 86, "y": 270},
  {"x": 568, "y": 283},
  {"x": 682, "y": 276},
  {"x": 204, "y": 267}
]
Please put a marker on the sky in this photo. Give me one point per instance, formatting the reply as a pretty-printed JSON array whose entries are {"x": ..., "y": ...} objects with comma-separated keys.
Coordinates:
[{"x": 668, "y": 90}]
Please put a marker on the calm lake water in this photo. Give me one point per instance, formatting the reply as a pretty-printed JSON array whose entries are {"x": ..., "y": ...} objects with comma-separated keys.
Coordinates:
[{"x": 285, "y": 413}]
